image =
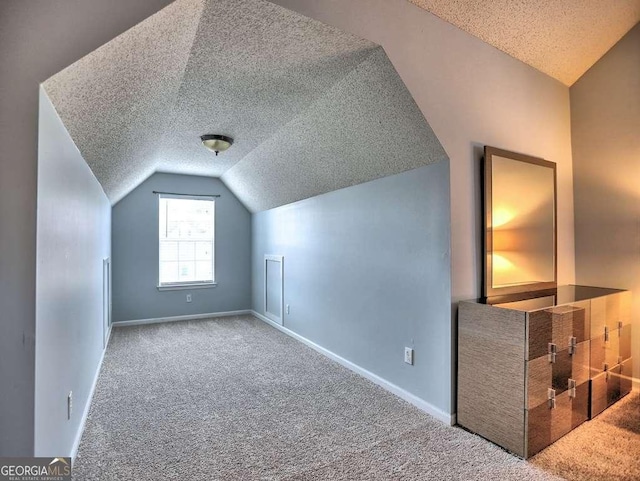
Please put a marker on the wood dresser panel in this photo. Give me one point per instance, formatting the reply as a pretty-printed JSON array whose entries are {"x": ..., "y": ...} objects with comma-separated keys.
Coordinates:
[
  {"x": 529, "y": 375},
  {"x": 491, "y": 374}
]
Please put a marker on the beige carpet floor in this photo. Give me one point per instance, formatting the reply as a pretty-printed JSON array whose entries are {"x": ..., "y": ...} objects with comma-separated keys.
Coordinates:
[{"x": 235, "y": 399}]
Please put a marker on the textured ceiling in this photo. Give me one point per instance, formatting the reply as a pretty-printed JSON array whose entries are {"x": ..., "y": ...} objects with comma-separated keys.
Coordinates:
[
  {"x": 366, "y": 126},
  {"x": 562, "y": 38},
  {"x": 114, "y": 101},
  {"x": 311, "y": 108}
]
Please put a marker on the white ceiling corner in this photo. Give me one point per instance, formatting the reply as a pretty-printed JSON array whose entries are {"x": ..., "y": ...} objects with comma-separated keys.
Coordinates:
[{"x": 562, "y": 38}]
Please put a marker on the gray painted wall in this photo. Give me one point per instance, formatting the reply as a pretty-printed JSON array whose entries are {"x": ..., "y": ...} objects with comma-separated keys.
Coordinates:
[
  {"x": 471, "y": 94},
  {"x": 37, "y": 39},
  {"x": 367, "y": 272},
  {"x": 73, "y": 238},
  {"x": 135, "y": 253},
  {"x": 605, "y": 118}
]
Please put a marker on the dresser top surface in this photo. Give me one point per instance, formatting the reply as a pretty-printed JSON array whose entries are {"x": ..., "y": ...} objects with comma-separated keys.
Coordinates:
[{"x": 556, "y": 297}]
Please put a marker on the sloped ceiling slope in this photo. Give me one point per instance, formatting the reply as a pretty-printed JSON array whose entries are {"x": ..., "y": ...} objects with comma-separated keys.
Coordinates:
[
  {"x": 114, "y": 101},
  {"x": 562, "y": 38},
  {"x": 366, "y": 126},
  {"x": 311, "y": 108}
]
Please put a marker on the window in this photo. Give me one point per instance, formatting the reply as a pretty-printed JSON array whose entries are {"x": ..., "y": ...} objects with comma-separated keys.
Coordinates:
[{"x": 186, "y": 231}]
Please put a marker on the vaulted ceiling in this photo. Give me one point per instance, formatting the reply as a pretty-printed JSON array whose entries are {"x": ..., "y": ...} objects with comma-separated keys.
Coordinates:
[
  {"x": 562, "y": 38},
  {"x": 311, "y": 108}
]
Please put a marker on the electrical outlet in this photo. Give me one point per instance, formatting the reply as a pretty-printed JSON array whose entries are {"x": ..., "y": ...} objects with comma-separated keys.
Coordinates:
[
  {"x": 188, "y": 297},
  {"x": 288, "y": 309},
  {"x": 69, "y": 404},
  {"x": 408, "y": 355}
]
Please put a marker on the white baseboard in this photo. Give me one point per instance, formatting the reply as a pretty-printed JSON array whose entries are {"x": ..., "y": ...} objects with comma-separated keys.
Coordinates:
[
  {"x": 190, "y": 317},
  {"x": 421, "y": 404},
  {"x": 85, "y": 413}
]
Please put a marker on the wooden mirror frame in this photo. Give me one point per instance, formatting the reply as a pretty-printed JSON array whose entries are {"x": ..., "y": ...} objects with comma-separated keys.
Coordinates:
[{"x": 488, "y": 289}]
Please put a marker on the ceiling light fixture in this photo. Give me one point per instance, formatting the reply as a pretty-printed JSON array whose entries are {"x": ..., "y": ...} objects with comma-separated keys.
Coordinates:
[{"x": 216, "y": 143}]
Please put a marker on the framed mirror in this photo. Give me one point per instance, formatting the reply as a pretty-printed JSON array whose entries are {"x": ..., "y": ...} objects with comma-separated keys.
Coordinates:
[{"x": 520, "y": 223}]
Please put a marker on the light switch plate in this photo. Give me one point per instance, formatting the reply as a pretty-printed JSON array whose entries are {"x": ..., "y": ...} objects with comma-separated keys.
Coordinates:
[{"x": 408, "y": 355}]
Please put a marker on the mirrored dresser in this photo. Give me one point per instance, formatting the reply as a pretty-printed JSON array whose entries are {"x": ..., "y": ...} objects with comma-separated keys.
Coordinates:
[{"x": 532, "y": 369}]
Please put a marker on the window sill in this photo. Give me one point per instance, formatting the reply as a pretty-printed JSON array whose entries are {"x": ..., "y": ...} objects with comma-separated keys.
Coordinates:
[{"x": 179, "y": 287}]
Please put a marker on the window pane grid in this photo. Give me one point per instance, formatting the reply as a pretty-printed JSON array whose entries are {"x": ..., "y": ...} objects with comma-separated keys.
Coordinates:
[{"x": 186, "y": 238}]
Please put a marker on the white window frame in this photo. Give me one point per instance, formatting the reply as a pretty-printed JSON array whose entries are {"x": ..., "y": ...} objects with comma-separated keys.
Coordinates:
[{"x": 189, "y": 284}]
